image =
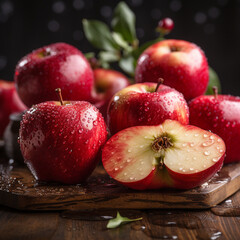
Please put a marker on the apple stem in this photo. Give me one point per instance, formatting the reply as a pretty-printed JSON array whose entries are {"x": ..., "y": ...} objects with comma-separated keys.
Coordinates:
[
  {"x": 160, "y": 81},
  {"x": 215, "y": 91},
  {"x": 59, "y": 94}
]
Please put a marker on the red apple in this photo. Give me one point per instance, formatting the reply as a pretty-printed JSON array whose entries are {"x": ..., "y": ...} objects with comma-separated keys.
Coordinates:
[
  {"x": 182, "y": 64},
  {"x": 9, "y": 103},
  {"x": 168, "y": 155},
  {"x": 221, "y": 115},
  {"x": 61, "y": 143},
  {"x": 106, "y": 84},
  {"x": 61, "y": 65},
  {"x": 139, "y": 104}
]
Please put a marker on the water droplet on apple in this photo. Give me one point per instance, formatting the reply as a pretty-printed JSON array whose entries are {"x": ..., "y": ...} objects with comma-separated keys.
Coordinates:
[
  {"x": 191, "y": 169},
  {"x": 116, "y": 169},
  {"x": 196, "y": 134},
  {"x": 129, "y": 150},
  {"x": 214, "y": 159},
  {"x": 221, "y": 151},
  {"x": 192, "y": 144},
  {"x": 141, "y": 146},
  {"x": 184, "y": 144},
  {"x": 205, "y": 135},
  {"x": 128, "y": 160},
  {"x": 206, "y": 153}
]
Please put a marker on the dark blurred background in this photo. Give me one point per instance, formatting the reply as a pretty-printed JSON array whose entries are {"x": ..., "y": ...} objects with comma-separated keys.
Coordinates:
[{"x": 214, "y": 25}]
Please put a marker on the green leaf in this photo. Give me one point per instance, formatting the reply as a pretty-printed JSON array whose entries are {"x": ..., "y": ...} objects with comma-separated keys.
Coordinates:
[
  {"x": 123, "y": 22},
  {"x": 120, "y": 41},
  {"x": 108, "y": 56},
  {"x": 116, "y": 222},
  {"x": 99, "y": 35},
  {"x": 213, "y": 81},
  {"x": 89, "y": 55},
  {"x": 128, "y": 64}
]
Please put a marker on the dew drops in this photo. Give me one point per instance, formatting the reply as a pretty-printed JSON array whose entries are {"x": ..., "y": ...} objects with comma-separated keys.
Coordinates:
[
  {"x": 141, "y": 162},
  {"x": 206, "y": 153},
  {"x": 125, "y": 174},
  {"x": 221, "y": 151},
  {"x": 191, "y": 169},
  {"x": 211, "y": 137},
  {"x": 218, "y": 140},
  {"x": 116, "y": 169},
  {"x": 129, "y": 150},
  {"x": 192, "y": 144},
  {"x": 128, "y": 160},
  {"x": 184, "y": 144},
  {"x": 205, "y": 135},
  {"x": 131, "y": 178},
  {"x": 214, "y": 159},
  {"x": 141, "y": 146}
]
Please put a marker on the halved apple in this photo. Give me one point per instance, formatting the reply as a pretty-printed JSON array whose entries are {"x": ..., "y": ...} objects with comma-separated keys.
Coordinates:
[{"x": 168, "y": 155}]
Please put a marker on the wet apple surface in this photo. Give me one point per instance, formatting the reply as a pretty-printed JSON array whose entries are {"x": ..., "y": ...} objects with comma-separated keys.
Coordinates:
[
  {"x": 61, "y": 142},
  {"x": 221, "y": 115},
  {"x": 168, "y": 155}
]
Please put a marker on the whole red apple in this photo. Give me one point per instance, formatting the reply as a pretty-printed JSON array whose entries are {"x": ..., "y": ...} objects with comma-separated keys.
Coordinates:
[
  {"x": 106, "y": 83},
  {"x": 61, "y": 143},
  {"x": 9, "y": 103},
  {"x": 181, "y": 64},
  {"x": 139, "y": 105},
  {"x": 39, "y": 73},
  {"x": 168, "y": 155},
  {"x": 221, "y": 115}
]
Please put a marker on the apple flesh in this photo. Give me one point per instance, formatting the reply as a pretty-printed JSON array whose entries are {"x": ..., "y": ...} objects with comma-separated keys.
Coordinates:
[
  {"x": 221, "y": 115},
  {"x": 61, "y": 143},
  {"x": 181, "y": 64},
  {"x": 57, "y": 65},
  {"x": 9, "y": 103},
  {"x": 106, "y": 84},
  {"x": 139, "y": 105},
  {"x": 169, "y": 155}
]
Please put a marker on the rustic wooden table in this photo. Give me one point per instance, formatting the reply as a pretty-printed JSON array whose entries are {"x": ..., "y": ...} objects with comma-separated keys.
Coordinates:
[{"x": 219, "y": 222}]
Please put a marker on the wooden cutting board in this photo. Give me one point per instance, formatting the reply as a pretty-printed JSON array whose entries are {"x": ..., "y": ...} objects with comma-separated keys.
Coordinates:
[{"x": 18, "y": 189}]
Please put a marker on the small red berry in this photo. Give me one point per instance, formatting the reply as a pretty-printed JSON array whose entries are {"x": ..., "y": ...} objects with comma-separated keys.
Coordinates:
[{"x": 165, "y": 25}]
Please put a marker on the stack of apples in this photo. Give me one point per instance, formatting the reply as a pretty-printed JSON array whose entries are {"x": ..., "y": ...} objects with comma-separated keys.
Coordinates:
[{"x": 152, "y": 144}]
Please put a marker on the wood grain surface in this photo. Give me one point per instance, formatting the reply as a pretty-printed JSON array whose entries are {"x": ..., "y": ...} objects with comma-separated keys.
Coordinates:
[
  {"x": 156, "y": 224},
  {"x": 19, "y": 190}
]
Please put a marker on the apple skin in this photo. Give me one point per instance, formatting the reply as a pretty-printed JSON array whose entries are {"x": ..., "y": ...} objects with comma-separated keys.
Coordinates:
[
  {"x": 139, "y": 105},
  {"x": 221, "y": 115},
  {"x": 106, "y": 84},
  {"x": 9, "y": 103},
  {"x": 181, "y": 64},
  {"x": 61, "y": 143},
  {"x": 58, "y": 65}
]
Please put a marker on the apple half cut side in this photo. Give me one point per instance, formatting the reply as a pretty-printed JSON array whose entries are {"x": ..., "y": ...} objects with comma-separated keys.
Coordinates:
[{"x": 168, "y": 155}]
